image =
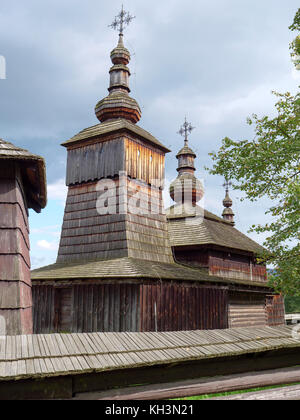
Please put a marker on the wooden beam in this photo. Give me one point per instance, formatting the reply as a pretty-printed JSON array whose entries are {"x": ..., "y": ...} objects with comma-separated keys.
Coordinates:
[{"x": 201, "y": 386}]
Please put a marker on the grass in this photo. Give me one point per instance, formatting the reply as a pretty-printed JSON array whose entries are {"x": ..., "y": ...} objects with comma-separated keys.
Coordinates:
[{"x": 243, "y": 391}]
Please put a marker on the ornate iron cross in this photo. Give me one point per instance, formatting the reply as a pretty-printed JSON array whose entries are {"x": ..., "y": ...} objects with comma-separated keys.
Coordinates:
[
  {"x": 227, "y": 184},
  {"x": 121, "y": 20},
  {"x": 185, "y": 130}
]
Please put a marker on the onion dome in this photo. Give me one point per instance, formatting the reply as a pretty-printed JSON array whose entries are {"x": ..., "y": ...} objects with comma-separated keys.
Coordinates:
[
  {"x": 228, "y": 214},
  {"x": 118, "y": 104},
  {"x": 186, "y": 188}
]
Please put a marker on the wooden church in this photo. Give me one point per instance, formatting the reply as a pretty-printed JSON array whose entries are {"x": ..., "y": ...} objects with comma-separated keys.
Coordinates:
[{"x": 126, "y": 264}]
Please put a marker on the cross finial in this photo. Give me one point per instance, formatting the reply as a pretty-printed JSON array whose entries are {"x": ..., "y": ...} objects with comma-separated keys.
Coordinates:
[
  {"x": 121, "y": 20},
  {"x": 185, "y": 130},
  {"x": 227, "y": 184}
]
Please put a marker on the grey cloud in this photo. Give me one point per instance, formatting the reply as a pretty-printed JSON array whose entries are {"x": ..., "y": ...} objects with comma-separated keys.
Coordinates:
[{"x": 191, "y": 57}]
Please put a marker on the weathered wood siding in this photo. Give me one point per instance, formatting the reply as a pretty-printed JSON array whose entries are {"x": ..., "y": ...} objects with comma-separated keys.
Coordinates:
[
  {"x": 179, "y": 307},
  {"x": 95, "y": 161},
  {"x": 144, "y": 163},
  {"x": 106, "y": 159},
  {"x": 275, "y": 310},
  {"x": 120, "y": 307},
  {"x": 86, "y": 308},
  {"x": 246, "y": 310},
  {"x": 230, "y": 265},
  {"x": 139, "y": 230},
  {"x": 195, "y": 258},
  {"x": 44, "y": 315},
  {"x": 15, "y": 283}
]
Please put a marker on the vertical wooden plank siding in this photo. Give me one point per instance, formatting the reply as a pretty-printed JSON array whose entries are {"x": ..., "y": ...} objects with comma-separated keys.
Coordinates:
[
  {"x": 182, "y": 307},
  {"x": 43, "y": 309},
  {"x": 275, "y": 310},
  {"x": 86, "y": 308}
]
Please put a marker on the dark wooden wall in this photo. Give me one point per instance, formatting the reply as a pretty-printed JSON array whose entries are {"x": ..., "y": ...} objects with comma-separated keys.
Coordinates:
[
  {"x": 15, "y": 282},
  {"x": 181, "y": 307},
  {"x": 86, "y": 308},
  {"x": 233, "y": 265},
  {"x": 223, "y": 263},
  {"x": 151, "y": 306},
  {"x": 120, "y": 307}
]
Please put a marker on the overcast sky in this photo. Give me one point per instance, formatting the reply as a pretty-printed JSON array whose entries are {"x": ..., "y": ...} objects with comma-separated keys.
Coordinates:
[{"x": 214, "y": 61}]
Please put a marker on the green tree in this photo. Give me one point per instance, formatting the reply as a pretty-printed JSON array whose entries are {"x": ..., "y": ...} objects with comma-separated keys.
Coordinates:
[
  {"x": 295, "y": 45},
  {"x": 269, "y": 166}
]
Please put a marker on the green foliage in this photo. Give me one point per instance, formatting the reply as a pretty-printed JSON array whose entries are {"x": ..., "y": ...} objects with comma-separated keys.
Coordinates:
[
  {"x": 292, "y": 305},
  {"x": 295, "y": 45},
  {"x": 269, "y": 166}
]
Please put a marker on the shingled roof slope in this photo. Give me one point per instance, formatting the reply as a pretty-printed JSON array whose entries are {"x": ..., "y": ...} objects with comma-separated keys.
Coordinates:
[
  {"x": 128, "y": 268},
  {"x": 112, "y": 127},
  {"x": 186, "y": 229},
  {"x": 9, "y": 151}
]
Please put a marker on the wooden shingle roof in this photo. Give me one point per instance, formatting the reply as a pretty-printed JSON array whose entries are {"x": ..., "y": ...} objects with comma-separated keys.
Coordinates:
[
  {"x": 129, "y": 268},
  {"x": 207, "y": 229},
  {"x": 42, "y": 356},
  {"x": 33, "y": 169},
  {"x": 111, "y": 127}
]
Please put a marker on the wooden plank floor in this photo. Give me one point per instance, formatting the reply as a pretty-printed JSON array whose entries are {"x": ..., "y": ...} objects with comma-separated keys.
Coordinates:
[{"x": 36, "y": 356}]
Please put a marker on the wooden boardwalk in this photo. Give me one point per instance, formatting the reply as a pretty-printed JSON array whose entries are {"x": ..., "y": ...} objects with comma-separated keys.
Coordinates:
[{"x": 53, "y": 355}]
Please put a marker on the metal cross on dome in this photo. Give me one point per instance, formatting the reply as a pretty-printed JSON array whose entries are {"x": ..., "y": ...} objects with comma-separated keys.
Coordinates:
[
  {"x": 227, "y": 184},
  {"x": 185, "y": 130},
  {"x": 121, "y": 20}
]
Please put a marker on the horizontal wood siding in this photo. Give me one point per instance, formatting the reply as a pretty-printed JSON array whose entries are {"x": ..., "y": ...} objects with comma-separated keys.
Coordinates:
[
  {"x": 179, "y": 307},
  {"x": 139, "y": 231},
  {"x": 247, "y": 310}
]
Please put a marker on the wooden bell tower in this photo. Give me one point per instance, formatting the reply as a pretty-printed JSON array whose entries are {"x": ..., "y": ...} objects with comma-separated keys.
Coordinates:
[{"x": 115, "y": 175}]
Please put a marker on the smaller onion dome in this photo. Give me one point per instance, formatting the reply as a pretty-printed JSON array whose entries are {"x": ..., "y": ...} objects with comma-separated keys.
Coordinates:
[
  {"x": 186, "y": 189},
  {"x": 227, "y": 202},
  {"x": 120, "y": 54},
  {"x": 228, "y": 214}
]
